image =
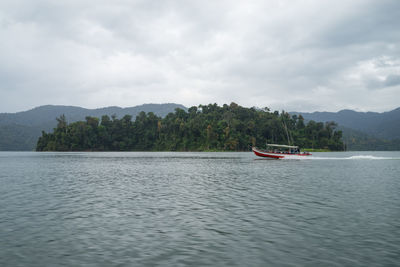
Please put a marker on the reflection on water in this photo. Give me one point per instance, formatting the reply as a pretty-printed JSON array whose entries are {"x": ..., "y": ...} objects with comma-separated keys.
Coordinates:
[{"x": 178, "y": 209}]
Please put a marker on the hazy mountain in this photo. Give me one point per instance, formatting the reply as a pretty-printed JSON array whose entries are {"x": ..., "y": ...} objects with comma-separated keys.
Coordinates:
[
  {"x": 356, "y": 140},
  {"x": 361, "y": 130},
  {"x": 43, "y": 114},
  {"x": 20, "y": 131},
  {"x": 384, "y": 125}
]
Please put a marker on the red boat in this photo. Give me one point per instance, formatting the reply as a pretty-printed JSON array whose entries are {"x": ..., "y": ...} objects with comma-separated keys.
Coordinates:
[{"x": 280, "y": 152}]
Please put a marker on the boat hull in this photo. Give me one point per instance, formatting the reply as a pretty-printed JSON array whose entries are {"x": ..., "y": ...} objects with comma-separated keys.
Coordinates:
[{"x": 272, "y": 155}]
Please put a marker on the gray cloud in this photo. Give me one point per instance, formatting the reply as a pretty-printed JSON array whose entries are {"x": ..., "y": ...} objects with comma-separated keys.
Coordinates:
[
  {"x": 305, "y": 56},
  {"x": 392, "y": 80}
]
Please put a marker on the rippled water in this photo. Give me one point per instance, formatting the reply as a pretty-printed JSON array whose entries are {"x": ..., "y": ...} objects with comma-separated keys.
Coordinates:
[{"x": 183, "y": 209}]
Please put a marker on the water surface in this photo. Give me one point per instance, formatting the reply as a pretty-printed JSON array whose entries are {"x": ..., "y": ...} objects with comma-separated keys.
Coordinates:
[{"x": 196, "y": 209}]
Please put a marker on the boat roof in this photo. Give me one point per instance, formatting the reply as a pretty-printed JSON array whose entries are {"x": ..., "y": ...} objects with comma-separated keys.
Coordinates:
[{"x": 285, "y": 146}]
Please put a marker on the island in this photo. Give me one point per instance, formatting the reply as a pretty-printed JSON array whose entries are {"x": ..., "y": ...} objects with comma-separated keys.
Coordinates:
[{"x": 201, "y": 128}]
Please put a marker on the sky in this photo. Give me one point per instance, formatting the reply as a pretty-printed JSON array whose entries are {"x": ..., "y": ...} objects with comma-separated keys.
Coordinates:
[{"x": 311, "y": 55}]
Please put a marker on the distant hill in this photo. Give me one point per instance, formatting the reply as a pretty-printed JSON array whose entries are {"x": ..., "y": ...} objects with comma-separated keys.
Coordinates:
[
  {"x": 384, "y": 125},
  {"x": 20, "y": 131},
  {"x": 358, "y": 141},
  {"x": 363, "y": 130}
]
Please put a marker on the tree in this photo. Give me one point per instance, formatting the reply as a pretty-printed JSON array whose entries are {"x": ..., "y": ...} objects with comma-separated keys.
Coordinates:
[{"x": 206, "y": 127}]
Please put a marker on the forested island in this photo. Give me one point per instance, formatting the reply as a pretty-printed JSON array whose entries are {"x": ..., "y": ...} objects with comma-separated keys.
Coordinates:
[{"x": 200, "y": 128}]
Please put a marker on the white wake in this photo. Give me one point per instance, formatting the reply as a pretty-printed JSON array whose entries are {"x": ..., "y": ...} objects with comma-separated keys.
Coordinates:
[{"x": 357, "y": 157}]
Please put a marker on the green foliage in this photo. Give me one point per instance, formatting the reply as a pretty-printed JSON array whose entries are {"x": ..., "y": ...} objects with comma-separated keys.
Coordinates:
[
  {"x": 18, "y": 137},
  {"x": 359, "y": 141},
  {"x": 203, "y": 128}
]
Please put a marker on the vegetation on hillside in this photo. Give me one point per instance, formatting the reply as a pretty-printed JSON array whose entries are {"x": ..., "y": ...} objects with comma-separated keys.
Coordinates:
[
  {"x": 20, "y": 131},
  {"x": 383, "y": 127},
  {"x": 203, "y": 128},
  {"x": 359, "y": 141},
  {"x": 16, "y": 137}
]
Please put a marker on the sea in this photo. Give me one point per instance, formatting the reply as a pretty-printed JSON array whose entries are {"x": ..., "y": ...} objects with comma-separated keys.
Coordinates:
[{"x": 199, "y": 209}]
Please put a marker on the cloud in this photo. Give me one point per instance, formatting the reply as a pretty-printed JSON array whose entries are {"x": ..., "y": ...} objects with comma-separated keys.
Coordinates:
[
  {"x": 292, "y": 55},
  {"x": 375, "y": 74},
  {"x": 392, "y": 80}
]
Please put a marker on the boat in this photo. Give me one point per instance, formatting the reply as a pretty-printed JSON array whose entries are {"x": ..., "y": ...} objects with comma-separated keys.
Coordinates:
[{"x": 275, "y": 151}]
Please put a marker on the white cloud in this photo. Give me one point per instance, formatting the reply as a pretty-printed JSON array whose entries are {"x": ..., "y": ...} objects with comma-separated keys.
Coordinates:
[{"x": 292, "y": 55}]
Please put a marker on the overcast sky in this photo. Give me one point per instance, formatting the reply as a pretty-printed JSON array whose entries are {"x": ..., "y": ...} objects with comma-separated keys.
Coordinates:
[{"x": 292, "y": 55}]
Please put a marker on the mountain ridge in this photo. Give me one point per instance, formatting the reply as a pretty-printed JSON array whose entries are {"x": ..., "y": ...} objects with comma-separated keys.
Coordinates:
[
  {"x": 20, "y": 130},
  {"x": 74, "y": 113},
  {"x": 384, "y": 125}
]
